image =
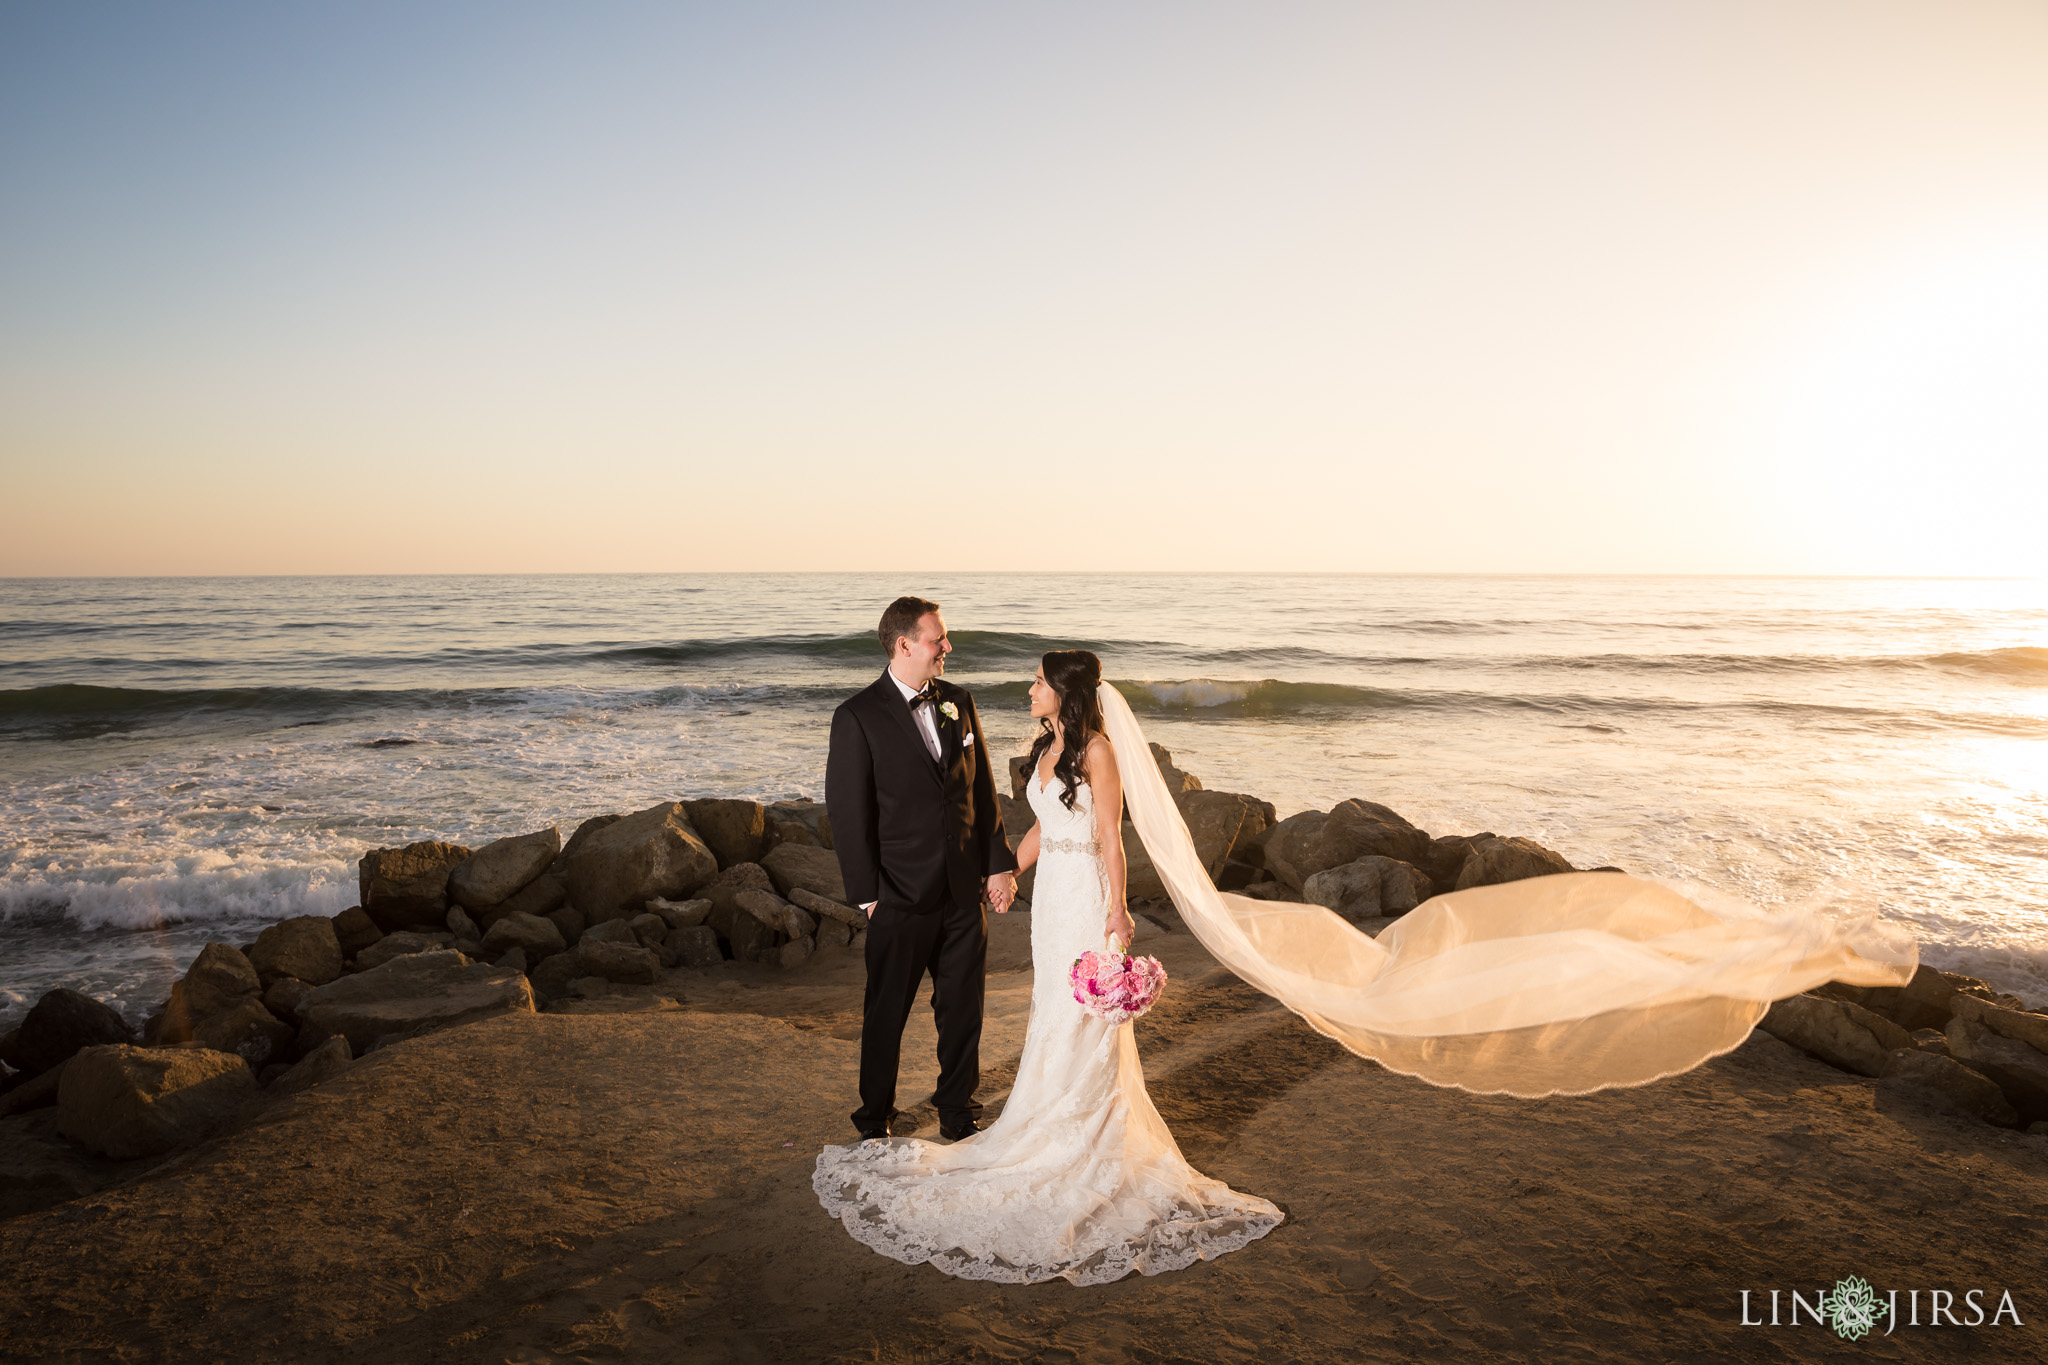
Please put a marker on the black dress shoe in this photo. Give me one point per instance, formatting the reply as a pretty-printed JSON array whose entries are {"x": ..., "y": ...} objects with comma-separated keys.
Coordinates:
[
  {"x": 868, "y": 1134},
  {"x": 967, "y": 1129}
]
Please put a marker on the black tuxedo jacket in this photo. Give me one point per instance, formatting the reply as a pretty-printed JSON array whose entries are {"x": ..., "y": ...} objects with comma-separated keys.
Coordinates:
[{"x": 912, "y": 834}]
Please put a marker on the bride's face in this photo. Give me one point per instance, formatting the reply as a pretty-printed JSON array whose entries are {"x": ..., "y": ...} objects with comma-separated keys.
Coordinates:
[{"x": 1045, "y": 703}]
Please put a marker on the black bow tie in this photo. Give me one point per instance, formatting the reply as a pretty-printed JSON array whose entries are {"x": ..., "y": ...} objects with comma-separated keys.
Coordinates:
[{"x": 924, "y": 696}]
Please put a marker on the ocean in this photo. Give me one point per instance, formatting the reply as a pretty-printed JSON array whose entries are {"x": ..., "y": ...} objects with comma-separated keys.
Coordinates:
[{"x": 187, "y": 759}]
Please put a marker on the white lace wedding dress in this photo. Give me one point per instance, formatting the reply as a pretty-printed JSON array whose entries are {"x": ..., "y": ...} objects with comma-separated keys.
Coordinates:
[{"x": 1079, "y": 1177}]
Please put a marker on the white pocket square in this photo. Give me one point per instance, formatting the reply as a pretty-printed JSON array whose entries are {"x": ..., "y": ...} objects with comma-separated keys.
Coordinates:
[{"x": 966, "y": 738}]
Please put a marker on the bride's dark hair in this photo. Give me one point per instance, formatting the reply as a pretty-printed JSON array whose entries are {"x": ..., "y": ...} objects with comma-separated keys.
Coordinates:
[{"x": 1073, "y": 675}]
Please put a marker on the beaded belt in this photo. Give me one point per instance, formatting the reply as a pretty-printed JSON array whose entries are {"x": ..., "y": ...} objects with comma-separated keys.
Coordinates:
[{"x": 1070, "y": 846}]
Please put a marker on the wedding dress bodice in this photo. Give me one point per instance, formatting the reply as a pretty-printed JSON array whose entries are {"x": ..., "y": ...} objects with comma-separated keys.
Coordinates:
[{"x": 1079, "y": 1178}]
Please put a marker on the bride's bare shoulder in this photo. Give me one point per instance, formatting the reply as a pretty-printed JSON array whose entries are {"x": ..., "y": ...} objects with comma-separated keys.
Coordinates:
[{"x": 1099, "y": 759}]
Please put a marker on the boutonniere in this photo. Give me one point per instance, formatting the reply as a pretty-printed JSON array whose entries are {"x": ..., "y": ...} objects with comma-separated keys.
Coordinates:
[{"x": 950, "y": 711}]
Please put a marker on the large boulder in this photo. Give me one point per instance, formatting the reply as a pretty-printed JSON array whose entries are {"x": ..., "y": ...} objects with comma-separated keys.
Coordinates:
[
  {"x": 695, "y": 945},
  {"x": 543, "y": 895},
  {"x": 582, "y": 835},
  {"x": 1954, "y": 1083},
  {"x": 502, "y": 868},
  {"x": 127, "y": 1102},
  {"x": 218, "y": 979},
  {"x": 1838, "y": 1032},
  {"x": 408, "y": 995},
  {"x": 1290, "y": 848},
  {"x": 355, "y": 930},
  {"x": 406, "y": 888},
  {"x": 816, "y": 870},
  {"x": 2019, "y": 1025},
  {"x": 1142, "y": 881},
  {"x": 2017, "y": 1068},
  {"x": 306, "y": 949},
  {"x": 1368, "y": 888},
  {"x": 654, "y": 852},
  {"x": 538, "y": 938},
  {"x": 1444, "y": 858},
  {"x": 283, "y": 997},
  {"x": 395, "y": 945},
  {"x": 551, "y": 978},
  {"x": 1360, "y": 829},
  {"x": 250, "y": 1031},
  {"x": 1177, "y": 782},
  {"x": 735, "y": 831},
  {"x": 61, "y": 1023},
  {"x": 1493, "y": 861},
  {"x": 751, "y": 940},
  {"x": 1927, "y": 1000},
  {"x": 1214, "y": 820}
]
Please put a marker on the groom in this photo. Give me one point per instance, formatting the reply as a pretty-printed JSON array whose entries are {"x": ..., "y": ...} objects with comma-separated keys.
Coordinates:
[{"x": 919, "y": 836}]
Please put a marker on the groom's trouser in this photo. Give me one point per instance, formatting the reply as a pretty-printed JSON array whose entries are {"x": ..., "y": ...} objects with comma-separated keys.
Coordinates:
[{"x": 901, "y": 947}]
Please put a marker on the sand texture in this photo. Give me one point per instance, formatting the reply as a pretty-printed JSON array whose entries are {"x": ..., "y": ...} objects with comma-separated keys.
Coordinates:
[{"x": 632, "y": 1182}]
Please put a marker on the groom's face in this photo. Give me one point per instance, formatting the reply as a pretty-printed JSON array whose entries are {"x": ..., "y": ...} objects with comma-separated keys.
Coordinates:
[{"x": 924, "y": 657}]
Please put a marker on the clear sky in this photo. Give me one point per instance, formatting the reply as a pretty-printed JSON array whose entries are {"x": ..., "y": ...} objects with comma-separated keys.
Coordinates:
[{"x": 1748, "y": 286}]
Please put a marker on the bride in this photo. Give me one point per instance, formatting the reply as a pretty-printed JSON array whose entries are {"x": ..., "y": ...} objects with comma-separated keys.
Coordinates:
[{"x": 1556, "y": 985}]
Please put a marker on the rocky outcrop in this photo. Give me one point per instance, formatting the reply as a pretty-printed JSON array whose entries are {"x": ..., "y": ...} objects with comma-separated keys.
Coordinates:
[
  {"x": 537, "y": 938},
  {"x": 503, "y": 868},
  {"x": 60, "y": 1024},
  {"x": 1215, "y": 821},
  {"x": 306, "y": 949},
  {"x": 354, "y": 930},
  {"x": 283, "y": 997},
  {"x": 407, "y": 888},
  {"x": 323, "y": 1063},
  {"x": 816, "y": 870},
  {"x": 2015, "y": 1067},
  {"x": 617, "y": 868},
  {"x": 1361, "y": 829},
  {"x": 1289, "y": 851},
  {"x": 735, "y": 831},
  {"x": 408, "y": 995},
  {"x": 1955, "y": 1085},
  {"x": 250, "y": 1031},
  {"x": 1493, "y": 861},
  {"x": 126, "y": 1102},
  {"x": 394, "y": 946},
  {"x": 219, "y": 979},
  {"x": 804, "y": 822},
  {"x": 1838, "y": 1032},
  {"x": 1368, "y": 888}
]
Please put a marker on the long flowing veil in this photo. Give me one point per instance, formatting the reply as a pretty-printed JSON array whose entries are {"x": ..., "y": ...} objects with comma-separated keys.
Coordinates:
[{"x": 1556, "y": 985}]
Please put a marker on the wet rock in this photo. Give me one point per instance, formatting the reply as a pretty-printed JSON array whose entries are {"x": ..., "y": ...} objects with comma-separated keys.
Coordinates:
[
  {"x": 734, "y": 831},
  {"x": 355, "y": 930},
  {"x": 1955, "y": 1084},
  {"x": 502, "y": 868},
  {"x": 1494, "y": 861},
  {"x": 393, "y": 946},
  {"x": 218, "y": 979},
  {"x": 695, "y": 945},
  {"x": 407, "y": 888},
  {"x": 284, "y": 996},
  {"x": 626, "y": 963},
  {"x": 306, "y": 948},
  {"x": 1839, "y": 1033},
  {"x": 825, "y": 908},
  {"x": 61, "y": 1023},
  {"x": 412, "y": 994},
  {"x": 323, "y": 1063},
  {"x": 126, "y": 1102},
  {"x": 537, "y": 938},
  {"x": 816, "y": 870},
  {"x": 650, "y": 853},
  {"x": 1368, "y": 888},
  {"x": 250, "y": 1031}
]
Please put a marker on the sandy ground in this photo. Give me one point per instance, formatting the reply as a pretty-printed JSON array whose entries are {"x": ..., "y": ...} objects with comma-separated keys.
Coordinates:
[{"x": 601, "y": 1186}]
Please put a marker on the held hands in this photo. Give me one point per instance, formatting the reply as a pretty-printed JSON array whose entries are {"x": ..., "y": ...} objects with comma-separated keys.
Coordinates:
[
  {"x": 1120, "y": 927},
  {"x": 1002, "y": 891}
]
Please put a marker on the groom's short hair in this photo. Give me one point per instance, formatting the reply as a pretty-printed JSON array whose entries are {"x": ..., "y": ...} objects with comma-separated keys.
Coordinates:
[{"x": 901, "y": 619}]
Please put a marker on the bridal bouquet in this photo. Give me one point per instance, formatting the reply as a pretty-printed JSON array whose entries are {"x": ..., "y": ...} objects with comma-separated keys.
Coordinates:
[{"x": 1116, "y": 986}]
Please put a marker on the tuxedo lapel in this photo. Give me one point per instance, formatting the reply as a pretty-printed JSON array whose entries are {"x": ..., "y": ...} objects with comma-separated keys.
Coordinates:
[{"x": 892, "y": 701}]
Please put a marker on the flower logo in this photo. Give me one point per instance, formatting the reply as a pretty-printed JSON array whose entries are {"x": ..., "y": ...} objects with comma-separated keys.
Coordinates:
[{"x": 1851, "y": 1309}]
